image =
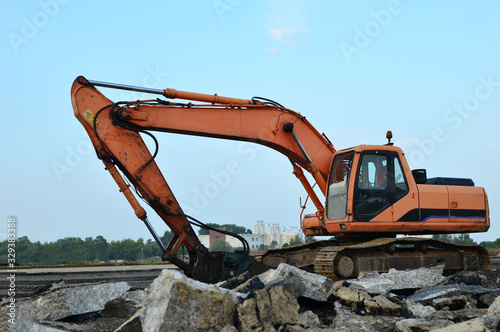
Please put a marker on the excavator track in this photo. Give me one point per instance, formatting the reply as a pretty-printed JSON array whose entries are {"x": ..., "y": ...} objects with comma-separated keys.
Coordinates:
[{"x": 341, "y": 260}]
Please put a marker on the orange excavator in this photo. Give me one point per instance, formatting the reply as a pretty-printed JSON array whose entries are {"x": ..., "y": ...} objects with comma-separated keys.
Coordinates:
[{"x": 370, "y": 194}]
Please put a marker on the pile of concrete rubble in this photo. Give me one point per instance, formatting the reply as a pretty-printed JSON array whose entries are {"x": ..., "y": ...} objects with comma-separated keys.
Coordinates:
[{"x": 284, "y": 299}]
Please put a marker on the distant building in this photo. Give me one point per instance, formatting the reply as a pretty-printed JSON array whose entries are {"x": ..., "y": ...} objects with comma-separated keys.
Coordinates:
[
  {"x": 288, "y": 234},
  {"x": 254, "y": 241},
  {"x": 216, "y": 236},
  {"x": 212, "y": 237},
  {"x": 277, "y": 233},
  {"x": 262, "y": 234}
]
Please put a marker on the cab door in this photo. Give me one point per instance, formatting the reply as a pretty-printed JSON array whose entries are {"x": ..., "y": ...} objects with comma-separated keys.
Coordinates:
[
  {"x": 372, "y": 192},
  {"x": 338, "y": 186},
  {"x": 380, "y": 182}
]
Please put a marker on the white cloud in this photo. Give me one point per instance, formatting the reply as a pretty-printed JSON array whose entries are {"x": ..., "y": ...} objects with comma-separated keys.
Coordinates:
[{"x": 286, "y": 21}]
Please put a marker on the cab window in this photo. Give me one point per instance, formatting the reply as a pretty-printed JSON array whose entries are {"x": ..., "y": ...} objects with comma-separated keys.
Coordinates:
[
  {"x": 373, "y": 172},
  {"x": 400, "y": 186}
]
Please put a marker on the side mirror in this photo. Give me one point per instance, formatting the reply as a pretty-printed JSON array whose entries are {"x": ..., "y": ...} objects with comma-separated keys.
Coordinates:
[{"x": 420, "y": 176}]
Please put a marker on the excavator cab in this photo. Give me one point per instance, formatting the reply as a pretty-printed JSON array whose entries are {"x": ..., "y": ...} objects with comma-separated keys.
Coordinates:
[
  {"x": 378, "y": 182},
  {"x": 372, "y": 192}
]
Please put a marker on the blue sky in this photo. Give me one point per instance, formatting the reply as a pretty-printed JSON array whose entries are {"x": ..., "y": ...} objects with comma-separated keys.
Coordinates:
[{"x": 428, "y": 71}]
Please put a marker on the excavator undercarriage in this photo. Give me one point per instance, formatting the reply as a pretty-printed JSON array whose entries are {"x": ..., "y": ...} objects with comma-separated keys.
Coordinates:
[{"x": 341, "y": 260}]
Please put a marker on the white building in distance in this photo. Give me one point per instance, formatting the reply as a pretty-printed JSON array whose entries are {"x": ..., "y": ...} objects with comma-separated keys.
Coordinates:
[
  {"x": 262, "y": 234},
  {"x": 275, "y": 232}
]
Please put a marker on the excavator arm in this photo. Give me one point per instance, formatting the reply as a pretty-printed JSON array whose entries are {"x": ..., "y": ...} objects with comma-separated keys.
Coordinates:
[{"x": 115, "y": 130}]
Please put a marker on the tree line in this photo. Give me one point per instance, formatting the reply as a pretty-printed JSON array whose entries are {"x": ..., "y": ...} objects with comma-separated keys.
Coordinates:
[
  {"x": 74, "y": 249},
  {"x": 230, "y": 227},
  {"x": 466, "y": 239}
]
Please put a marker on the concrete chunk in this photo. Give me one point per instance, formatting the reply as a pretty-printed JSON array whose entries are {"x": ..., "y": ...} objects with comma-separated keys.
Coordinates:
[
  {"x": 69, "y": 301},
  {"x": 444, "y": 294},
  {"x": 397, "y": 280},
  {"x": 178, "y": 303},
  {"x": 66, "y": 301},
  {"x": 361, "y": 301},
  {"x": 247, "y": 314},
  {"x": 468, "y": 326},
  {"x": 316, "y": 286},
  {"x": 419, "y": 310},
  {"x": 420, "y": 324}
]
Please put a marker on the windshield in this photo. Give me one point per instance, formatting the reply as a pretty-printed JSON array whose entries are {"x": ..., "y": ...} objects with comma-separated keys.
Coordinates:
[{"x": 336, "y": 202}]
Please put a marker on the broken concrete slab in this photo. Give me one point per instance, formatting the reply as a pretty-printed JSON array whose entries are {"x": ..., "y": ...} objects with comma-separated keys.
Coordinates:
[
  {"x": 467, "y": 278},
  {"x": 397, "y": 280},
  {"x": 285, "y": 308},
  {"x": 309, "y": 319},
  {"x": 96, "y": 323},
  {"x": 419, "y": 310},
  {"x": 248, "y": 317},
  {"x": 458, "y": 315},
  {"x": 347, "y": 320},
  {"x": 40, "y": 327},
  {"x": 421, "y": 324},
  {"x": 316, "y": 286},
  {"x": 468, "y": 320},
  {"x": 468, "y": 326},
  {"x": 492, "y": 318},
  {"x": 415, "y": 278},
  {"x": 267, "y": 308},
  {"x": 494, "y": 308},
  {"x": 270, "y": 314},
  {"x": 137, "y": 297},
  {"x": 363, "y": 302},
  {"x": 451, "y": 296},
  {"x": 376, "y": 285},
  {"x": 66, "y": 301},
  {"x": 178, "y": 303}
]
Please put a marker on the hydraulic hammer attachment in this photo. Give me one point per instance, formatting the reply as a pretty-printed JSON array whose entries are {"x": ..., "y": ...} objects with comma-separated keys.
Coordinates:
[{"x": 215, "y": 266}]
